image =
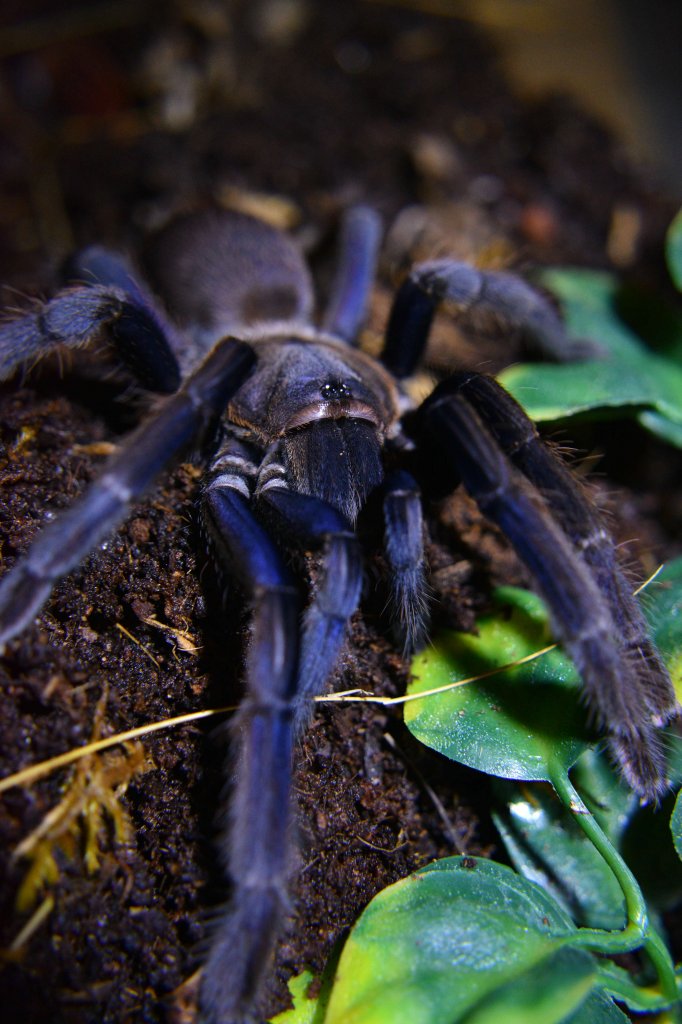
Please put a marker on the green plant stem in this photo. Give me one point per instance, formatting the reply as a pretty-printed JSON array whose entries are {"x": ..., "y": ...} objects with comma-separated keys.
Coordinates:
[{"x": 638, "y": 932}]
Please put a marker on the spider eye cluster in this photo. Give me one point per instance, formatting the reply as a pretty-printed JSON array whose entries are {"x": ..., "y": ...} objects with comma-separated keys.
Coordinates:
[{"x": 334, "y": 390}]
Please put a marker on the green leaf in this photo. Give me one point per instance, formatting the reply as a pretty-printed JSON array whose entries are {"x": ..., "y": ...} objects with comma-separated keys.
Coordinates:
[
  {"x": 524, "y": 723},
  {"x": 542, "y": 995},
  {"x": 588, "y": 299},
  {"x": 630, "y": 379},
  {"x": 666, "y": 429},
  {"x": 652, "y": 316},
  {"x": 597, "y": 1009},
  {"x": 303, "y": 1010},
  {"x": 436, "y": 945},
  {"x": 547, "y": 847},
  {"x": 311, "y": 1009},
  {"x": 673, "y": 250}
]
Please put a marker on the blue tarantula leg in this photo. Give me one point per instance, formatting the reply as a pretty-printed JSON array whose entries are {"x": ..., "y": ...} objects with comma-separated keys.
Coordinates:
[
  {"x": 576, "y": 514},
  {"x": 179, "y": 420},
  {"x": 139, "y": 331},
  {"x": 76, "y": 315},
  {"x": 404, "y": 547},
  {"x": 311, "y": 523},
  {"x": 256, "y": 848},
  {"x": 360, "y": 240},
  {"x": 581, "y": 616},
  {"x": 468, "y": 290}
]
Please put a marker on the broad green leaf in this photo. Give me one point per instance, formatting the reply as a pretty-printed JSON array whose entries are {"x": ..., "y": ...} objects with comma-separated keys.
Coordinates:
[
  {"x": 630, "y": 378},
  {"x": 541, "y": 995},
  {"x": 597, "y": 1009},
  {"x": 547, "y": 847},
  {"x": 432, "y": 947},
  {"x": 523, "y": 723},
  {"x": 673, "y": 250}
]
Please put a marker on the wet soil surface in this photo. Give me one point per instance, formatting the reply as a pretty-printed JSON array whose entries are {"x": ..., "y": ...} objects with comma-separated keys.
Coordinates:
[{"x": 114, "y": 127}]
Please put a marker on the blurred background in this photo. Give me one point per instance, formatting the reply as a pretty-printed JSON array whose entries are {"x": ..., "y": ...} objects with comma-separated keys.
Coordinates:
[
  {"x": 620, "y": 59},
  {"x": 544, "y": 114}
]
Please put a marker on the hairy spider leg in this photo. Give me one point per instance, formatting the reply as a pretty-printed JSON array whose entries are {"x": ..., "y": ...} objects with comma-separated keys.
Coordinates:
[
  {"x": 144, "y": 338},
  {"x": 356, "y": 264},
  {"x": 103, "y": 307},
  {"x": 519, "y": 439},
  {"x": 404, "y": 549},
  {"x": 468, "y": 290},
  {"x": 179, "y": 421},
  {"x": 581, "y": 616},
  {"x": 309, "y": 522},
  {"x": 255, "y": 845},
  {"x": 256, "y": 849}
]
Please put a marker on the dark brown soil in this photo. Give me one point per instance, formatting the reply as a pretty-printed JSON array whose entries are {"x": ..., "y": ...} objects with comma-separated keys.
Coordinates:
[{"x": 352, "y": 101}]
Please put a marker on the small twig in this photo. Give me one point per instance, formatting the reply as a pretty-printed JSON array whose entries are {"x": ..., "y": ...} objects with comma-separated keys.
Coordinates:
[
  {"x": 32, "y": 925},
  {"x": 183, "y": 639},
  {"x": 369, "y": 698},
  {"x": 27, "y": 776},
  {"x": 138, "y": 642}
]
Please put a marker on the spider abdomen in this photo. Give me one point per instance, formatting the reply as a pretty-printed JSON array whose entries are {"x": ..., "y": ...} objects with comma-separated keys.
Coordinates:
[{"x": 221, "y": 270}]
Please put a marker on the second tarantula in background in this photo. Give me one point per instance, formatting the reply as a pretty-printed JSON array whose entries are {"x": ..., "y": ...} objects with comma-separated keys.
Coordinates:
[{"x": 304, "y": 429}]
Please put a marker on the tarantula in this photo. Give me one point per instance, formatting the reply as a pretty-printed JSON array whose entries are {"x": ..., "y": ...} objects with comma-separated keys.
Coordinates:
[{"x": 304, "y": 429}]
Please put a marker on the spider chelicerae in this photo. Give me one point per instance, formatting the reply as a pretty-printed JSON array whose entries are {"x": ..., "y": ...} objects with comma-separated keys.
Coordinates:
[{"x": 309, "y": 435}]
